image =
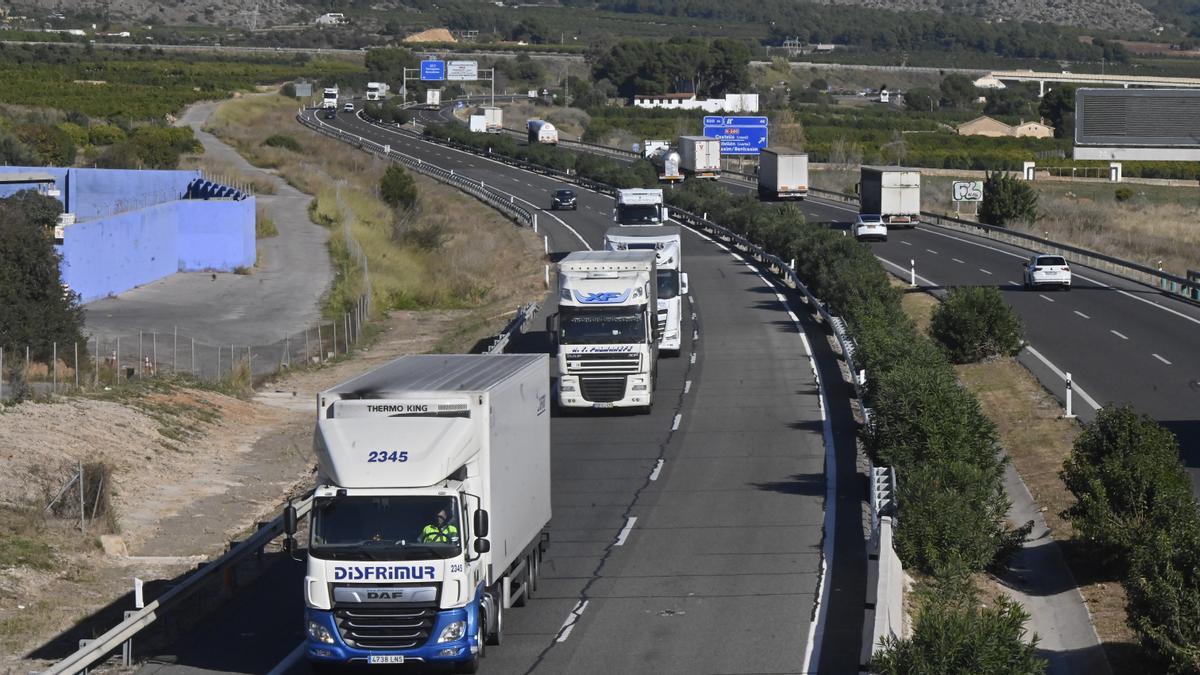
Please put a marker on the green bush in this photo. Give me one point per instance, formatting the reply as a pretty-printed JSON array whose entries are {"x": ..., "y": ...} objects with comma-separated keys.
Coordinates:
[
  {"x": 1125, "y": 473},
  {"x": 1163, "y": 585},
  {"x": 1123, "y": 194},
  {"x": 105, "y": 134},
  {"x": 974, "y": 323},
  {"x": 954, "y": 634},
  {"x": 283, "y": 141},
  {"x": 397, "y": 188},
  {"x": 77, "y": 134},
  {"x": 51, "y": 143},
  {"x": 1007, "y": 198}
]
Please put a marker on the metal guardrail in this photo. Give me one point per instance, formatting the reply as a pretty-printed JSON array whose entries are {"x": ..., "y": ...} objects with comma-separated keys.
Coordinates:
[
  {"x": 517, "y": 325},
  {"x": 92, "y": 651}
]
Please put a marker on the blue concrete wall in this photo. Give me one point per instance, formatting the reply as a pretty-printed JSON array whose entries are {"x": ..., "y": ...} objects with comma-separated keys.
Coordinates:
[
  {"x": 95, "y": 193},
  {"x": 216, "y": 235},
  {"x": 109, "y": 255}
]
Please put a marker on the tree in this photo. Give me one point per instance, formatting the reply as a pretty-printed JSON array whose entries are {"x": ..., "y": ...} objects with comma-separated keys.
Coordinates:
[
  {"x": 1125, "y": 473},
  {"x": 35, "y": 308},
  {"x": 397, "y": 188},
  {"x": 1163, "y": 585},
  {"x": 974, "y": 323},
  {"x": 1058, "y": 108},
  {"x": 819, "y": 84},
  {"x": 958, "y": 91},
  {"x": 387, "y": 64},
  {"x": 1006, "y": 199},
  {"x": 922, "y": 99}
]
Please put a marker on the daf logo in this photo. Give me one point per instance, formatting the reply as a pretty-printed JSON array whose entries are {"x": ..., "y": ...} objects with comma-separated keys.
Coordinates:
[
  {"x": 601, "y": 297},
  {"x": 384, "y": 595}
]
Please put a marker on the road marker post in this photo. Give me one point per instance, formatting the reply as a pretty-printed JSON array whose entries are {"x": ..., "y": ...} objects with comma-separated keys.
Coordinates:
[
  {"x": 912, "y": 268},
  {"x": 1070, "y": 414}
]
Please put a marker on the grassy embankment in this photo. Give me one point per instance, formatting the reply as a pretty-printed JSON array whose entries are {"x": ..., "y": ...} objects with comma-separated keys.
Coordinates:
[
  {"x": 476, "y": 259},
  {"x": 1038, "y": 440}
]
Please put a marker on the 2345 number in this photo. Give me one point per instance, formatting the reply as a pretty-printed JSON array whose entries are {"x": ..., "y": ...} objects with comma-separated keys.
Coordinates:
[{"x": 376, "y": 456}]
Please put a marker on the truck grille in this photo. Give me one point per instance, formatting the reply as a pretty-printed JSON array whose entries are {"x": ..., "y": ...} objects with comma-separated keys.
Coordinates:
[
  {"x": 602, "y": 389},
  {"x": 385, "y": 627},
  {"x": 608, "y": 364},
  {"x": 662, "y": 321}
]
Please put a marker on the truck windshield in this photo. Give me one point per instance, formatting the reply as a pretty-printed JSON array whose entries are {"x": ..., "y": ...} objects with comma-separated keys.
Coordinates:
[
  {"x": 615, "y": 325},
  {"x": 668, "y": 284},
  {"x": 386, "y": 528},
  {"x": 639, "y": 214}
]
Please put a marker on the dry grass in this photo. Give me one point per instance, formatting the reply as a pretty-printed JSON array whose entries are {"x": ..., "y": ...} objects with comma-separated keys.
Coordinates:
[
  {"x": 483, "y": 258},
  {"x": 1038, "y": 440},
  {"x": 570, "y": 122},
  {"x": 264, "y": 225}
]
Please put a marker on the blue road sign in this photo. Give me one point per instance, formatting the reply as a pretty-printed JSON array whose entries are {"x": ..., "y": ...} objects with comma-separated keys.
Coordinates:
[
  {"x": 433, "y": 71},
  {"x": 739, "y": 134}
]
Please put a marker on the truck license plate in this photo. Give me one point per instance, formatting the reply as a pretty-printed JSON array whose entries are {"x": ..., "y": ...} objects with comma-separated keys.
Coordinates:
[
  {"x": 602, "y": 405},
  {"x": 385, "y": 658}
]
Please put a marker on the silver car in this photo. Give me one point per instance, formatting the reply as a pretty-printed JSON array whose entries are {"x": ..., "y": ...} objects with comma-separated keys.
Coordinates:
[
  {"x": 1047, "y": 270},
  {"x": 870, "y": 226}
]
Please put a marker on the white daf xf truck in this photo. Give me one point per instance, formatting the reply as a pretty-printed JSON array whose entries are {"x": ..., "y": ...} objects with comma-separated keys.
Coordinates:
[
  {"x": 606, "y": 331},
  {"x": 640, "y": 206},
  {"x": 431, "y": 511},
  {"x": 667, "y": 243}
]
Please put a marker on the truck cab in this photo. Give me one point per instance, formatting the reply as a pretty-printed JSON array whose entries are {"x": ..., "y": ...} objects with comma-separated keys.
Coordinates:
[
  {"x": 606, "y": 330},
  {"x": 431, "y": 509},
  {"x": 640, "y": 206},
  {"x": 667, "y": 243}
]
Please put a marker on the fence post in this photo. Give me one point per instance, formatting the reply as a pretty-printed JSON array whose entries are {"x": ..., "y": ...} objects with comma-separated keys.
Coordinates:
[
  {"x": 26, "y": 363},
  {"x": 193, "y": 357},
  {"x": 154, "y": 352},
  {"x": 141, "y": 350},
  {"x": 96, "y": 365},
  {"x": 175, "y": 353},
  {"x": 320, "y": 345},
  {"x": 54, "y": 368},
  {"x": 76, "y": 365},
  {"x": 117, "y": 362},
  {"x": 1, "y": 372},
  {"x": 82, "y": 509},
  {"x": 334, "y": 350}
]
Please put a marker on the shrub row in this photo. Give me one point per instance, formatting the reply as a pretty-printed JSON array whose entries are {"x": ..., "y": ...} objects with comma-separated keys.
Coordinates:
[{"x": 1135, "y": 507}]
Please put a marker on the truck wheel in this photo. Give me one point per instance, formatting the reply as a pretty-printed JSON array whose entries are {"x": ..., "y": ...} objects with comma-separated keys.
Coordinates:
[
  {"x": 495, "y": 637},
  {"x": 469, "y": 666}
]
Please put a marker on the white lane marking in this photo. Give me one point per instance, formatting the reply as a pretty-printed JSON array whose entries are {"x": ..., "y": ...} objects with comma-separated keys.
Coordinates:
[
  {"x": 568, "y": 624},
  {"x": 958, "y": 261},
  {"x": 932, "y": 251},
  {"x": 907, "y": 271},
  {"x": 695, "y": 335},
  {"x": 693, "y": 316},
  {"x": 807, "y": 348},
  {"x": 1161, "y": 359},
  {"x": 288, "y": 661},
  {"x": 624, "y": 534},
  {"x": 693, "y": 357},
  {"x": 675, "y": 424},
  {"x": 657, "y": 470},
  {"x": 1013, "y": 283},
  {"x": 687, "y": 386},
  {"x": 1118, "y": 334},
  {"x": 1046, "y": 298},
  {"x": 1101, "y": 284},
  {"x": 985, "y": 271},
  {"x": 1082, "y": 314},
  {"x": 905, "y": 243},
  {"x": 1074, "y": 383}
]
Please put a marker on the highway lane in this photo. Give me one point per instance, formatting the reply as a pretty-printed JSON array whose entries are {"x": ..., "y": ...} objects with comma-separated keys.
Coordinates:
[
  {"x": 1123, "y": 342},
  {"x": 687, "y": 540}
]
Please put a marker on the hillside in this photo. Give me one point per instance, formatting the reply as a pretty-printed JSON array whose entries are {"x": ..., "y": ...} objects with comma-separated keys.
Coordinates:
[{"x": 1118, "y": 15}]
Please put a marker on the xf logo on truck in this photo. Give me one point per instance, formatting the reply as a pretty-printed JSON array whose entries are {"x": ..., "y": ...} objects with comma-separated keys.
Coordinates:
[
  {"x": 385, "y": 573},
  {"x": 602, "y": 298}
]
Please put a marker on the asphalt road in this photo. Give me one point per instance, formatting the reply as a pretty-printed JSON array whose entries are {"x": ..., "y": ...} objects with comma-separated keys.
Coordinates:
[{"x": 685, "y": 541}]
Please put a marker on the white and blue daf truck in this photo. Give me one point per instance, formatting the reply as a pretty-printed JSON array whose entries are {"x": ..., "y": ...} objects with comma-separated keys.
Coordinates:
[
  {"x": 431, "y": 510},
  {"x": 640, "y": 206},
  {"x": 667, "y": 243},
  {"x": 605, "y": 332}
]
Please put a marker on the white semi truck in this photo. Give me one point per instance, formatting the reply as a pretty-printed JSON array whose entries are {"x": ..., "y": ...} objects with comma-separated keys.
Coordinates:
[
  {"x": 329, "y": 98},
  {"x": 664, "y": 159},
  {"x": 640, "y": 206},
  {"x": 667, "y": 243},
  {"x": 700, "y": 156},
  {"x": 493, "y": 119},
  {"x": 606, "y": 331},
  {"x": 431, "y": 509},
  {"x": 541, "y": 131},
  {"x": 893, "y": 192},
  {"x": 782, "y": 174},
  {"x": 433, "y": 98},
  {"x": 377, "y": 91},
  {"x": 478, "y": 124}
]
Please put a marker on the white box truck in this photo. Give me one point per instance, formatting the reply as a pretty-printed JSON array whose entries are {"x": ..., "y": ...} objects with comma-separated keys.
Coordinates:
[
  {"x": 606, "y": 331},
  {"x": 329, "y": 98},
  {"x": 377, "y": 91},
  {"x": 664, "y": 159},
  {"x": 640, "y": 206},
  {"x": 700, "y": 156},
  {"x": 493, "y": 118},
  {"x": 431, "y": 509},
  {"x": 541, "y": 131},
  {"x": 433, "y": 98},
  {"x": 782, "y": 174},
  {"x": 667, "y": 243},
  {"x": 893, "y": 192},
  {"x": 478, "y": 124}
]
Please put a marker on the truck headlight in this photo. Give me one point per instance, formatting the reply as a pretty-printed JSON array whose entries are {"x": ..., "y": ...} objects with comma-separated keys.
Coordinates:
[
  {"x": 319, "y": 633},
  {"x": 639, "y": 387},
  {"x": 566, "y": 386},
  {"x": 453, "y": 631}
]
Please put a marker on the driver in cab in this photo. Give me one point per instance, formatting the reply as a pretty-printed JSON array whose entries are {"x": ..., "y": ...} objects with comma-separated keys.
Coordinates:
[{"x": 441, "y": 531}]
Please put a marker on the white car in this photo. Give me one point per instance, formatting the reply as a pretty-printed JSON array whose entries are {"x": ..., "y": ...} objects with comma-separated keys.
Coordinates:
[
  {"x": 349, "y": 107},
  {"x": 1047, "y": 270},
  {"x": 870, "y": 226}
]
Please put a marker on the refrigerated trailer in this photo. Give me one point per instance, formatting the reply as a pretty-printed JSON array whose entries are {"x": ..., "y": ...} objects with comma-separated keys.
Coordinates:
[
  {"x": 893, "y": 192},
  {"x": 782, "y": 174}
]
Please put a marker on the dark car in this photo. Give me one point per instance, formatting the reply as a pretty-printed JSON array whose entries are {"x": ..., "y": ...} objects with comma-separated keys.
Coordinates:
[
  {"x": 563, "y": 199},
  {"x": 329, "y": 113}
]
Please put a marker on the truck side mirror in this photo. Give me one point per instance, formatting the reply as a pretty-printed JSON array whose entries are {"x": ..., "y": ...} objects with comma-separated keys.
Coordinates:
[
  {"x": 858, "y": 188},
  {"x": 683, "y": 283},
  {"x": 480, "y": 523},
  {"x": 289, "y": 519},
  {"x": 552, "y": 328},
  {"x": 482, "y": 545}
]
